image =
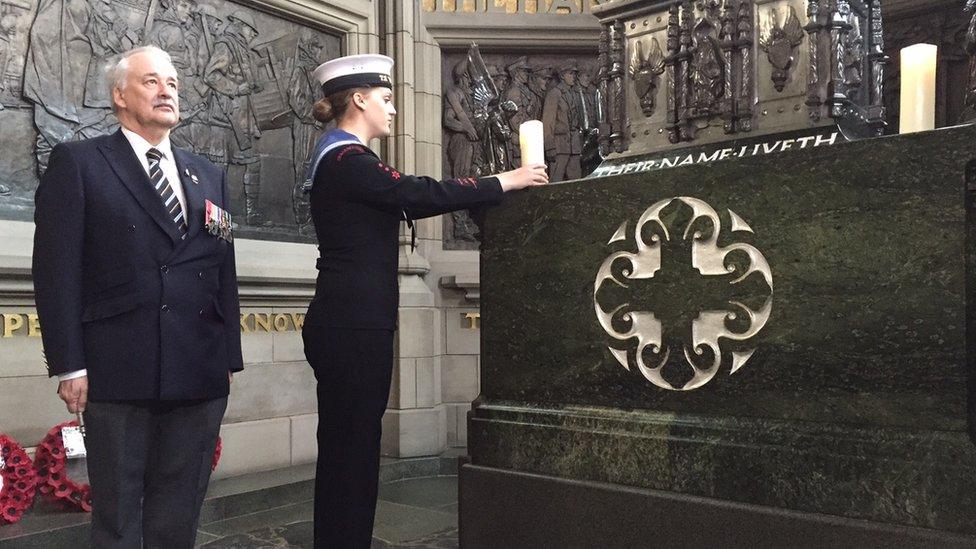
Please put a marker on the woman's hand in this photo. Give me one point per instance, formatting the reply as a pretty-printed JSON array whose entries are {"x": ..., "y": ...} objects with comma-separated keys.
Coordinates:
[{"x": 526, "y": 176}]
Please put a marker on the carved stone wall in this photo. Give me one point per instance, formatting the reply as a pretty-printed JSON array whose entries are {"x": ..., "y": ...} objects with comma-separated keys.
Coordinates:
[
  {"x": 245, "y": 94},
  {"x": 558, "y": 89},
  {"x": 945, "y": 26}
]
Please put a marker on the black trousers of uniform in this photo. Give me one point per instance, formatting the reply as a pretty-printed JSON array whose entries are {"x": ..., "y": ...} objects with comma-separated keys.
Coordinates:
[
  {"x": 149, "y": 466},
  {"x": 353, "y": 369}
]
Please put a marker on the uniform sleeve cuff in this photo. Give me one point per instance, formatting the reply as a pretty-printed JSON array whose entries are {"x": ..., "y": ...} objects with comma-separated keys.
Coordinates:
[
  {"x": 72, "y": 375},
  {"x": 493, "y": 183}
]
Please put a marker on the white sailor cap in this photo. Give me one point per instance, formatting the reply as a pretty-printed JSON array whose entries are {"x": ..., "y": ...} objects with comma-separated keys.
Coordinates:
[{"x": 354, "y": 71}]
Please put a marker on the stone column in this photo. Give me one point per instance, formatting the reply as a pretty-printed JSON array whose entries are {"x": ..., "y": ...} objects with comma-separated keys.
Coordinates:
[{"x": 414, "y": 424}]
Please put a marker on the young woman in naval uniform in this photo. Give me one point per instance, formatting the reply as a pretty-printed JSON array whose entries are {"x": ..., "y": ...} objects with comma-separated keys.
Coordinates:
[{"x": 357, "y": 204}]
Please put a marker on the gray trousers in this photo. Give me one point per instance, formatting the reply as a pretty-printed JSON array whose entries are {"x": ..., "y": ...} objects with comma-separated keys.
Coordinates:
[{"x": 149, "y": 466}]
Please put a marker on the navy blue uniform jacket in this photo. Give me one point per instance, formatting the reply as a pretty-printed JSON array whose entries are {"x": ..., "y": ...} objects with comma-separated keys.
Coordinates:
[
  {"x": 119, "y": 292},
  {"x": 357, "y": 204}
]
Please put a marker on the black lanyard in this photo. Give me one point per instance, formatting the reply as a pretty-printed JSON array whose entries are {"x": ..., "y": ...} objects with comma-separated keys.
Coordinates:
[{"x": 413, "y": 230}]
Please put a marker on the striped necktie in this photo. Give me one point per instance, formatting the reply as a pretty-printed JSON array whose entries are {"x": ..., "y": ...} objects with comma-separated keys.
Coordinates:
[{"x": 165, "y": 190}]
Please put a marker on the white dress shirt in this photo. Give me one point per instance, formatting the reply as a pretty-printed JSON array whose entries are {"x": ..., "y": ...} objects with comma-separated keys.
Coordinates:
[{"x": 168, "y": 165}]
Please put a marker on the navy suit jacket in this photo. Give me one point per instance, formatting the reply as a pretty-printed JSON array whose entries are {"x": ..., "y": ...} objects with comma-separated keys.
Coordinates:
[{"x": 150, "y": 314}]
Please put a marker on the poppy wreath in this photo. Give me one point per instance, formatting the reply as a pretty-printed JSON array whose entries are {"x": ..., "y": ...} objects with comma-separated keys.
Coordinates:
[
  {"x": 52, "y": 478},
  {"x": 19, "y": 481}
]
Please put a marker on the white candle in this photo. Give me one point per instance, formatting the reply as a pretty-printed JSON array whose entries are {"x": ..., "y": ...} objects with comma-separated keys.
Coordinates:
[
  {"x": 918, "y": 88},
  {"x": 532, "y": 143}
]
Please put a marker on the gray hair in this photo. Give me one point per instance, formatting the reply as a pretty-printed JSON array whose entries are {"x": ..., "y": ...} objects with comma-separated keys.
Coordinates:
[{"x": 115, "y": 73}]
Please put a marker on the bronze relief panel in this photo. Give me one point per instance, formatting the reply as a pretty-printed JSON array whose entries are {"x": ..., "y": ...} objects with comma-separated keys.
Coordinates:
[
  {"x": 480, "y": 135},
  {"x": 245, "y": 94}
]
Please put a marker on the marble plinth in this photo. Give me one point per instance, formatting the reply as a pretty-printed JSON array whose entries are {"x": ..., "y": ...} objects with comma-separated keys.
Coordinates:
[{"x": 855, "y": 400}]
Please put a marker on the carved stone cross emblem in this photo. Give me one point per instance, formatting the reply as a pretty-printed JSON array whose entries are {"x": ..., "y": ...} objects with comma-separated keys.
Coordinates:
[{"x": 714, "y": 306}]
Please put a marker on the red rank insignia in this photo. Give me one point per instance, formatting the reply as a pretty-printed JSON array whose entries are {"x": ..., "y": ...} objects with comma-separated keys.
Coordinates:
[{"x": 388, "y": 170}]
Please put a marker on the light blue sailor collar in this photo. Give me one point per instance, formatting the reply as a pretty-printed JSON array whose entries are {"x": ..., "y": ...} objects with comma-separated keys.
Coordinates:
[{"x": 325, "y": 143}]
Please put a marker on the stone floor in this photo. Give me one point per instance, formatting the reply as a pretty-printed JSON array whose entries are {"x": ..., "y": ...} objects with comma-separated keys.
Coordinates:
[
  {"x": 411, "y": 513},
  {"x": 417, "y": 508}
]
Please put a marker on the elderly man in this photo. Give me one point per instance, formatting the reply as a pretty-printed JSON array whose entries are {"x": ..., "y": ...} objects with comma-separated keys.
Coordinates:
[{"x": 136, "y": 288}]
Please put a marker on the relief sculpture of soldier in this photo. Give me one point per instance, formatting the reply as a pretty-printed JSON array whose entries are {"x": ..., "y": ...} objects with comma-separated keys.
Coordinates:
[
  {"x": 69, "y": 43},
  {"x": 503, "y": 145},
  {"x": 109, "y": 35},
  {"x": 589, "y": 121},
  {"x": 8, "y": 56},
  {"x": 525, "y": 100},
  {"x": 305, "y": 129},
  {"x": 482, "y": 138},
  {"x": 208, "y": 135},
  {"x": 463, "y": 147},
  {"x": 500, "y": 78},
  {"x": 458, "y": 121},
  {"x": 215, "y": 47},
  {"x": 588, "y": 100},
  {"x": 231, "y": 74},
  {"x": 8, "y": 28},
  {"x": 561, "y": 120},
  {"x": 539, "y": 82},
  {"x": 491, "y": 120},
  {"x": 176, "y": 31}
]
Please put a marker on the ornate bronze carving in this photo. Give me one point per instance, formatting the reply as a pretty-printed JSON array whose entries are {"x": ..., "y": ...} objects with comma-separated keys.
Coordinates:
[
  {"x": 458, "y": 122},
  {"x": 851, "y": 32},
  {"x": 492, "y": 114},
  {"x": 877, "y": 60},
  {"x": 645, "y": 70},
  {"x": 713, "y": 86},
  {"x": 743, "y": 101},
  {"x": 491, "y": 94},
  {"x": 671, "y": 66},
  {"x": 245, "y": 97},
  {"x": 813, "y": 78},
  {"x": 708, "y": 74},
  {"x": 780, "y": 43},
  {"x": 617, "y": 136},
  {"x": 709, "y": 67},
  {"x": 603, "y": 88}
]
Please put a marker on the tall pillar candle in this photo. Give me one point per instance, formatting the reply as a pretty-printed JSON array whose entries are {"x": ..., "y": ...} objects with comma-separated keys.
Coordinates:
[
  {"x": 918, "y": 64},
  {"x": 532, "y": 142}
]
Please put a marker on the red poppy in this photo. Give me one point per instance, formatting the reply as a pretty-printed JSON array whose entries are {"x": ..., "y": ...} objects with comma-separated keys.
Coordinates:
[
  {"x": 53, "y": 480},
  {"x": 19, "y": 482}
]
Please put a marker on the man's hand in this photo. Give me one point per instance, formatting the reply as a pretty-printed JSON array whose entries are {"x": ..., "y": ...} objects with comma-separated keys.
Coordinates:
[
  {"x": 230, "y": 377},
  {"x": 74, "y": 393}
]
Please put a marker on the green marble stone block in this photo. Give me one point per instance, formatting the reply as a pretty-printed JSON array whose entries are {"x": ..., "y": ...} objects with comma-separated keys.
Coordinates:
[{"x": 853, "y": 266}]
